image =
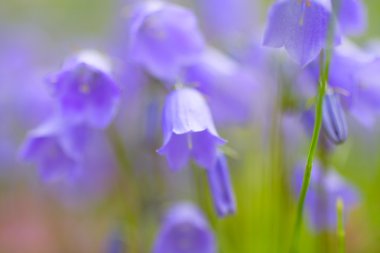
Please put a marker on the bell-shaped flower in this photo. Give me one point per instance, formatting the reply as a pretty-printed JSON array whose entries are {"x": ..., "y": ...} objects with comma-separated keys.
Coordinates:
[
  {"x": 85, "y": 90},
  {"x": 326, "y": 187},
  {"x": 221, "y": 188},
  {"x": 185, "y": 230},
  {"x": 236, "y": 30},
  {"x": 228, "y": 86},
  {"x": 188, "y": 130},
  {"x": 302, "y": 27},
  {"x": 55, "y": 149},
  {"x": 365, "y": 105},
  {"x": 351, "y": 15},
  {"x": 334, "y": 122},
  {"x": 164, "y": 38}
]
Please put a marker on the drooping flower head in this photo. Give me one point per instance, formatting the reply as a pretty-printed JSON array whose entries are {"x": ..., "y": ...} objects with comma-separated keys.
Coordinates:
[
  {"x": 185, "y": 230},
  {"x": 85, "y": 90},
  {"x": 188, "y": 130},
  {"x": 326, "y": 187},
  {"x": 164, "y": 38},
  {"x": 221, "y": 188},
  {"x": 351, "y": 15},
  {"x": 55, "y": 148},
  {"x": 302, "y": 27}
]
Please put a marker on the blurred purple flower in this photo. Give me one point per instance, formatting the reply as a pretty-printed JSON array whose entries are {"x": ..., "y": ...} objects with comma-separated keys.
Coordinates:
[
  {"x": 334, "y": 122},
  {"x": 324, "y": 190},
  {"x": 302, "y": 27},
  {"x": 365, "y": 105},
  {"x": 185, "y": 230},
  {"x": 230, "y": 22},
  {"x": 85, "y": 90},
  {"x": 164, "y": 38},
  {"x": 221, "y": 188},
  {"x": 351, "y": 15},
  {"x": 228, "y": 86},
  {"x": 56, "y": 149},
  {"x": 188, "y": 130}
]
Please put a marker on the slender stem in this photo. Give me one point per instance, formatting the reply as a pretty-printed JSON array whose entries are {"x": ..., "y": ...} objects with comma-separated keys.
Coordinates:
[
  {"x": 313, "y": 147},
  {"x": 340, "y": 225}
]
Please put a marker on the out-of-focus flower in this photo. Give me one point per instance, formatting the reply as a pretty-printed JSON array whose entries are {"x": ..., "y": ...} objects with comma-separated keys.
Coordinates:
[
  {"x": 85, "y": 89},
  {"x": 164, "y": 38},
  {"x": 302, "y": 27},
  {"x": 365, "y": 105},
  {"x": 185, "y": 230},
  {"x": 221, "y": 188},
  {"x": 334, "y": 122},
  {"x": 230, "y": 23},
  {"x": 324, "y": 190},
  {"x": 56, "y": 149},
  {"x": 188, "y": 130},
  {"x": 351, "y": 15},
  {"x": 228, "y": 86}
]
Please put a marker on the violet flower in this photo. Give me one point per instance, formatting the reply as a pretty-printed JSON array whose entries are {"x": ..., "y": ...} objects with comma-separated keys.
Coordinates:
[
  {"x": 164, "y": 38},
  {"x": 228, "y": 86},
  {"x": 301, "y": 27},
  {"x": 351, "y": 15},
  {"x": 185, "y": 230},
  {"x": 221, "y": 188},
  {"x": 85, "y": 90},
  {"x": 188, "y": 130},
  {"x": 325, "y": 189},
  {"x": 56, "y": 149}
]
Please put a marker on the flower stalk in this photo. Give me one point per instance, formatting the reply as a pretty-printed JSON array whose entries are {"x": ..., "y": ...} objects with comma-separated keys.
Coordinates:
[{"x": 312, "y": 151}]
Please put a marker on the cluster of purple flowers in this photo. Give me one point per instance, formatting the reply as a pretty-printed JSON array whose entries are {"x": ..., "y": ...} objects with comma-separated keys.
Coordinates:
[
  {"x": 86, "y": 97},
  {"x": 174, "y": 52},
  {"x": 205, "y": 87}
]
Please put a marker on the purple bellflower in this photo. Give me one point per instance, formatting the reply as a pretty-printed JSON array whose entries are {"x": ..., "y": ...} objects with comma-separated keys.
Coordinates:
[
  {"x": 326, "y": 187},
  {"x": 188, "y": 130},
  {"x": 164, "y": 38},
  {"x": 302, "y": 27},
  {"x": 85, "y": 90},
  {"x": 185, "y": 230},
  {"x": 366, "y": 96},
  {"x": 334, "y": 122},
  {"x": 351, "y": 15},
  {"x": 221, "y": 187},
  {"x": 56, "y": 149},
  {"x": 228, "y": 86},
  {"x": 231, "y": 22}
]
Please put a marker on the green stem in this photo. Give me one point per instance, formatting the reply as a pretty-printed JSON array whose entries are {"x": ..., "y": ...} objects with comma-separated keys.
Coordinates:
[
  {"x": 340, "y": 225},
  {"x": 313, "y": 147}
]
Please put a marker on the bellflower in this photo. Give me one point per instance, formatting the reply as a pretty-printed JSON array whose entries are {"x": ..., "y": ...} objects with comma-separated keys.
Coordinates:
[
  {"x": 334, "y": 122},
  {"x": 351, "y": 15},
  {"x": 302, "y": 27},
  {"x": 366, "y": 97},
  {"x": 231, "y": 22},
  {"x": 228, "y": 86},
  {"x": 56, "y": 149},
  {"x": 185, "y": 230},
  {"x": 221, "y": 188},
  {"x": 85, "y": 90},
  {"x": 188, "y": 130},
  {"x": 164, "y": 38},
  {"x": 325, "y": 189}
]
